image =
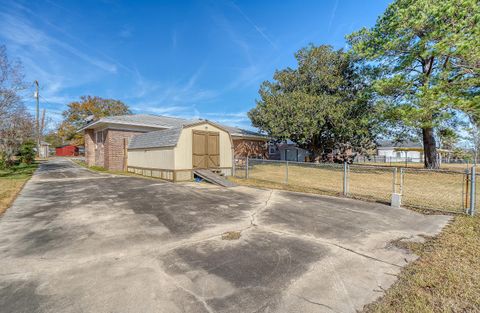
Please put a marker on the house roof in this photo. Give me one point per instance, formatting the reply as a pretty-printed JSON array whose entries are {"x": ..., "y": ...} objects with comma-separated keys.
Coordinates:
[
  {"x": 158, "y": 121},
  {"x": 239, "y": 132},
  {"x": 146, "y": 120},
  {"x": 156, "y": 139},
  {"x": 400, "y": 144}
]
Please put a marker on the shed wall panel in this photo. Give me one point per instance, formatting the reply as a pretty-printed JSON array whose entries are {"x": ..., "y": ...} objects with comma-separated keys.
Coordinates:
[{"x": 152, "y": 158}]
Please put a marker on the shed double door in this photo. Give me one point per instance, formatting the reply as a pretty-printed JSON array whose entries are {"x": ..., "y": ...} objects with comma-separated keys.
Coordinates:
[{"x": 206, "y": 149}]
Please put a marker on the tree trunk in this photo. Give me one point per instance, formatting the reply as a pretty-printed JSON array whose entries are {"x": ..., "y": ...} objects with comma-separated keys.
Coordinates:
[{"x": 430, "y": 149}]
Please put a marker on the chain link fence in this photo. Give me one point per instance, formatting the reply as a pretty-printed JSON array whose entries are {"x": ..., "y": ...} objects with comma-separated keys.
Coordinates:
[
  {"x": 440, "y": 190},
  {"x": 382, "y": 160}
]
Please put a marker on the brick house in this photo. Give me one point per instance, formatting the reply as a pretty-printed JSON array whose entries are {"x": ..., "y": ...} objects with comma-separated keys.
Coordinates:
[{"x": 106, "y": 140}]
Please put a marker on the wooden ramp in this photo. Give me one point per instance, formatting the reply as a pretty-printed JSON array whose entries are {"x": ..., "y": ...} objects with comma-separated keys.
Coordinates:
[{"x": 213, "y": 178}]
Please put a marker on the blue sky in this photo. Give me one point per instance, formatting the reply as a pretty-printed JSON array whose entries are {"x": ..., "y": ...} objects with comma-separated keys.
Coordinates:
[{"x": 181, "y": 58}]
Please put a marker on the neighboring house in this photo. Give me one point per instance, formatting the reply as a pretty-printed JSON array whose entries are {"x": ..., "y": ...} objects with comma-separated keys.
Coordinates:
[
  {"x": 174, "y": 153},
  {"x": 410, "y": 151},
  {"x": 44, "y": 151},
  {"x": 107, "y": 140},
  {"x": 248, "y": 143},
  {"x": 66, "y": 150},
  {"x": 287, "y": 151},
  {"x": 400, "y": 151}
]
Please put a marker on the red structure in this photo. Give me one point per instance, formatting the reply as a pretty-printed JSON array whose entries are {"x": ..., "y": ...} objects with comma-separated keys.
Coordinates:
[{"x": 68, "y": 150}]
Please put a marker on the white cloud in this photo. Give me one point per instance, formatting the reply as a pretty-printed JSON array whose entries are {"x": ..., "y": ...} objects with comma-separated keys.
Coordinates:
[
  {"x": 238, "y": 119},
  {"x": 332, "y": 16},
  {"x": 18, "y": 31},
  {"x": 255, "y": 26},
  {"x": 176, "y": 97}
]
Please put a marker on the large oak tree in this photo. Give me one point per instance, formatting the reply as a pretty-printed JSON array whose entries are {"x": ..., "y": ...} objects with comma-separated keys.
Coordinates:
[
  {"x": 428, "y": 52},
  {"x": 322, "y": 105},
  {"x": 88, "y": 108}
]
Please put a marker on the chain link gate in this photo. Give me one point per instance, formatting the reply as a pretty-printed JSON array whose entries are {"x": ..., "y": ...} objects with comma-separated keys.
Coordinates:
[{"x": 441, "y": 190}]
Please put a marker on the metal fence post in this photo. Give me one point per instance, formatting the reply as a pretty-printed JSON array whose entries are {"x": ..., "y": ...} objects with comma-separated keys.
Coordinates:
[
  {"x": 471, "y": 211},
  {"x": 234, "y": 167},
  {"x": 246, "y": 169},
  {"x": 401, "y": 180},
  {"x": 394, "y": 181},
  {"x": 345, "y": 179},
  {"x": 286, "y": 173}
]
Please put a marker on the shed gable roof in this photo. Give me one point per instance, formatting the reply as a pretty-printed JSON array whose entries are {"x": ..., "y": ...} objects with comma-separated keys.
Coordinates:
[
  {"x": 156, "y": 139},
  {"x": 165, "y": 137}
]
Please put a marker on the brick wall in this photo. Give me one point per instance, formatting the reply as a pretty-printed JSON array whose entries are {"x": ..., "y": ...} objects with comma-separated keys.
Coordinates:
[
  {"x": 89, "y": 147},
  {"x": 115, "y": 148},
  {"x": 249, "y": 147},
  {"x": 99, "y": 148}
]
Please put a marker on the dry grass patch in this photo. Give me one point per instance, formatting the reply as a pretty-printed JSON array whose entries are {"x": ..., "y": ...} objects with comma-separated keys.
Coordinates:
[
  {"x": 11, "y": 183},
  {"x": 434, "y": 190},
  {"x": 258, "y": 183},
  {"x": 231, "y": 235},
  {"x": 446, "y": 277}
]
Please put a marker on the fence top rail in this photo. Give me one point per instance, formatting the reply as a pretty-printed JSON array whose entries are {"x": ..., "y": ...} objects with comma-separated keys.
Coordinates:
[
  {"x": 358, "y": 166},
  {"x": 440, "y": 171},
  {"x": 310, "y": 164},
  {"x": 391, "y": 168}
]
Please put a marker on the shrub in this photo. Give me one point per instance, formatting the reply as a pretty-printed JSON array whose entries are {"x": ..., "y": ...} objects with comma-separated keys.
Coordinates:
[{"x": 26, "y": 153}]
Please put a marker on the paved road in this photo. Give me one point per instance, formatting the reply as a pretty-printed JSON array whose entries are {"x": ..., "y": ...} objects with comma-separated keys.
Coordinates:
[{"x": 76, "y": 241}]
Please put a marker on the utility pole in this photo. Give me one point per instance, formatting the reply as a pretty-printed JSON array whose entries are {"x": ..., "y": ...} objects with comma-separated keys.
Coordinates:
[{"x": 37, "y": 96}]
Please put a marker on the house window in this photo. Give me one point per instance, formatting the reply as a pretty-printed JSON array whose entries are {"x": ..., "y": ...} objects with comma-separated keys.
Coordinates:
[
  {"x": 272, "y": 149},
  {"x": 99, "y": 138}
]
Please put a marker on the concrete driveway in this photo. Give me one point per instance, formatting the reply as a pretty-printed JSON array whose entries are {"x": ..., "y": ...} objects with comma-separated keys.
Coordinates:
[{"x": 76, "y": 241}]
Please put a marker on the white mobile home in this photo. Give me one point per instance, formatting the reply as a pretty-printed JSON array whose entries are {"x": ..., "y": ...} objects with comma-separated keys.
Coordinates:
[{"x": 174, "y": 153}]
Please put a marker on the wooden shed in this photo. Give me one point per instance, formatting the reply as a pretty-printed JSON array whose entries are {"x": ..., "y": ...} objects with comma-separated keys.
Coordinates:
[
  {"x": 174, "y": 153},
  {"x": 67, "y": 150}
]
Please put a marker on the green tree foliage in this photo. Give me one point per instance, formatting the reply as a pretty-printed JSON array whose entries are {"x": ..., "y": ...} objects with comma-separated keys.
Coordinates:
[
  {"x": 448, "y": 138},
  {"x": 79, "y": 111},
  {"x": 429, "y": 55},
  {"x": 322, "y": 104},
  {"x": 53, "y": 138},
  {"x": 26, "y": 153}
]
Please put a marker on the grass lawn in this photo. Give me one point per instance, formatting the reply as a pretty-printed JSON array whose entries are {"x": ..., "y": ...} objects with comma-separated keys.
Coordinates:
[
  {"x": 439, "y": 190},
  {"x": 12, "y": 181},
  {"x": 446, "y": 277}
]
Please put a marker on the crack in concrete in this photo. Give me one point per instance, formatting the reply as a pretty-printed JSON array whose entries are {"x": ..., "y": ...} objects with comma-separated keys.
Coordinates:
[
  {"x": 193, "y": 294},
  {"x": 315, "y": 303},
  {"x": 318, "y": 240},
  {"x": 253, "y": 216}
]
